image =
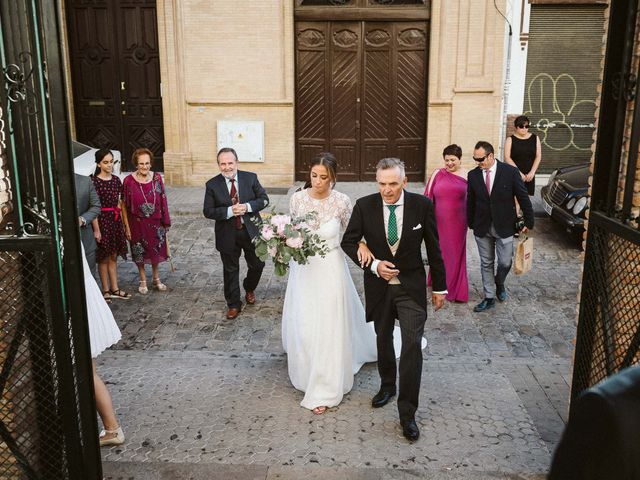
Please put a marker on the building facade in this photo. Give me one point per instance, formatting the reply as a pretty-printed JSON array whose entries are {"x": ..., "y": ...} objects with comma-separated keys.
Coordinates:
[{"x": 285, "y": 79}]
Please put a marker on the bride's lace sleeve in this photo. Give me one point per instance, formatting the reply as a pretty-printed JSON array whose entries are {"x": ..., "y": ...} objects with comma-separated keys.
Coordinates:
[
  {"x": 294, "y": 204},
  {"x": 344, "y": 210}
]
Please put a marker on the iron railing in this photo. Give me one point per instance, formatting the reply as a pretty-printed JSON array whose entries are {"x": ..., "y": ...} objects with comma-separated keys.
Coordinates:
[{"x": 48, "y": 426}]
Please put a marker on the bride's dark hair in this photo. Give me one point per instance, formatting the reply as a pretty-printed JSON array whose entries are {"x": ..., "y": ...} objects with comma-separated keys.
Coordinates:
[{"x": 330, "y": 163}]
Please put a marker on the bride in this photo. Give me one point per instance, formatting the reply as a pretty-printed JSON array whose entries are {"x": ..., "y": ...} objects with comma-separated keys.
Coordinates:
[{"x": 324, "y": 331}]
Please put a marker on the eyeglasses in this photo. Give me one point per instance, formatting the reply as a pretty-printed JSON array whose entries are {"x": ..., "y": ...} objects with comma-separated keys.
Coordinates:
[
  {"x": 522, "y": 126},
  {"x": 480, "y": 159}
]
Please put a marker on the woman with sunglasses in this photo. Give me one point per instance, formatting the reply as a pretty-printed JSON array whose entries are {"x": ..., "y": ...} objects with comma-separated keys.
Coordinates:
[{"x": 524, "y": 151}]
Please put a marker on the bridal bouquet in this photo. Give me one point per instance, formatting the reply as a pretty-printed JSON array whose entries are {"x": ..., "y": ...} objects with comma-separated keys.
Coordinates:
[{"x": 285, "y": 238}]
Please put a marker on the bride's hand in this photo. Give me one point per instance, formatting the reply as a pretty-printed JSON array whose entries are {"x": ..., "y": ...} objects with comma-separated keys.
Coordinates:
[{"x": 365, "y": 257}]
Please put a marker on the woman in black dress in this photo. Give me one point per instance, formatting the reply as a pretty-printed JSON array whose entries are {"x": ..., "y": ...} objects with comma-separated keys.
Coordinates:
[{"x": 524, "y": 151}]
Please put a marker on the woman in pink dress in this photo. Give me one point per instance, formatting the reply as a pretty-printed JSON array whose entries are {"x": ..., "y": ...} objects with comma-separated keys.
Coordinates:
[
  {"x": 447, "y": 189},
  {"x": 147, "y": 218}
]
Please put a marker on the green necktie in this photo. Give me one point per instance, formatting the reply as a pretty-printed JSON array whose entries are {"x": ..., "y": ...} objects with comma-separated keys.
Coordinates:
[{"x": 392, "y": 228}]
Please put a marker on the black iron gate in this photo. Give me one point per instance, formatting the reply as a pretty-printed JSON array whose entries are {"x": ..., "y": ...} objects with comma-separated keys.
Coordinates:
[
  {"x": 608, "y": 336},
  {"x": 48, "y": 427}
]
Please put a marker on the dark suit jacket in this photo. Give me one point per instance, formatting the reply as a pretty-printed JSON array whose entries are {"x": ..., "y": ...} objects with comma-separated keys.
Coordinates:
[
  {"x": 88, "y": 205},
  {"x": 602, "y": 438},
  {"x": 500, "y": 208},
  {"x": 217, "y": 201},
  {"x": 367, "y": 221}
]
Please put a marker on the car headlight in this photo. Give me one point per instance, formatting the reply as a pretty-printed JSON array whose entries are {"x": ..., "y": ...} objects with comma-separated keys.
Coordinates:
[
  {"x": 571, "y": 203},
  {"x": 579, "y": 206}
]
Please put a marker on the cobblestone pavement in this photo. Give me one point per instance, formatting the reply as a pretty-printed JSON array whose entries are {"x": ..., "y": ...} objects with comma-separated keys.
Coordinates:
[{"x": 212, "y": 396}]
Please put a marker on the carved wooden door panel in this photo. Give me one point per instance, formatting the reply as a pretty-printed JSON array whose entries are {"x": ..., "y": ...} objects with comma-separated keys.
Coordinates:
[
  {"x": 115, "y": 74},
  {"x": 94, "y": 66},
  {"x": 394, "y": 96},
  {"x": 328, "y": 82},
  {"x": 361, "y": 94},
  {"x": 141, "y": 101}
]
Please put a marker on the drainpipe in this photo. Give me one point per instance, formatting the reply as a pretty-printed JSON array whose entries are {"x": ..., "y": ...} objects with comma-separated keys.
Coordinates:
[{"x": 506, "y": 86}]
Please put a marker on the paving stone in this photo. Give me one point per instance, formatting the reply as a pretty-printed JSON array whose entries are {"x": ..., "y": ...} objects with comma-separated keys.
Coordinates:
[{"x": 195, "y": 389}]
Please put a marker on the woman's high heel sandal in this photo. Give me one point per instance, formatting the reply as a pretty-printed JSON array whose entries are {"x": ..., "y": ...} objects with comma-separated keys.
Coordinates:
[
  {"x": 159, "y": 285},
  {"x": 143, "y": 287},
  {"x": 111, "y": 437}
]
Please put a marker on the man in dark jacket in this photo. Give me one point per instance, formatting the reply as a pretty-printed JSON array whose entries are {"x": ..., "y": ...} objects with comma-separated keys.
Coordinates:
[
  {"x": 233, "y": 198},
  {"x": 492, "y": 188},
  {"x": 395, "y": 224},
  {"x": 88, "y": 205}
]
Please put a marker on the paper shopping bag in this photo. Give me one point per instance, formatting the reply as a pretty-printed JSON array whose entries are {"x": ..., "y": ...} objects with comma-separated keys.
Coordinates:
[{"x": 524, "y": 255}]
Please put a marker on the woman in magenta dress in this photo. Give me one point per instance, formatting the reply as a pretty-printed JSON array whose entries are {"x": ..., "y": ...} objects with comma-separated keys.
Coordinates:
[
  {"x": 108, "y": 228},
  {"x": 447, "y": 189},
  {"x": 147, "y": 218}
]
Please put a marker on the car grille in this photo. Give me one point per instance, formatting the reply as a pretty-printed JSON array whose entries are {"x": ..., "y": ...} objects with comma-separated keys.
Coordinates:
[{"x": 558, "y": 193}]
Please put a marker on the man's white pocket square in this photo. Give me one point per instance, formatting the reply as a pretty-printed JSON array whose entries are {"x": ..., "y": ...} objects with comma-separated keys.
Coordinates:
[{"x": 417, "y": 227}]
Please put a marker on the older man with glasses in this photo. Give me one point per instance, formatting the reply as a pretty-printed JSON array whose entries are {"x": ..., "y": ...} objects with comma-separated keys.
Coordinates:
[{"x": 492, "y": 188}]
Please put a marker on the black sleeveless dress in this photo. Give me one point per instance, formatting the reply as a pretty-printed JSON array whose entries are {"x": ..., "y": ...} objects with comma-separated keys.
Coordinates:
[{"x": 523, "y": 153}]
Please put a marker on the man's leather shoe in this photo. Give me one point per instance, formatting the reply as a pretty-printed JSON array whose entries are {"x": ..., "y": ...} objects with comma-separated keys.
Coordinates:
[
  {"x": 501, "y": 293},
  {"x": 250, "y": 297},
  {"x": 381, "y": 399},
  {"x": 410, "y": 430},
  {"x": 233, "y": 313},
  {"x": 485, "y": 305}
]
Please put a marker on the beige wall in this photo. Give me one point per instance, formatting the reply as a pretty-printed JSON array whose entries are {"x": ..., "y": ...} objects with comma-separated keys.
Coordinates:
[
  {"x": 226, "y": 60},
  {"x": 465, "y": 77},
  {"x": 234, "y": 60}
]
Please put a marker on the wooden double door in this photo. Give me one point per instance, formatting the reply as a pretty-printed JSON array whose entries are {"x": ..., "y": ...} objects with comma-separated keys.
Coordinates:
[
  {"x": 361, "y": 93},
  {"x": 115, "y": 72}
]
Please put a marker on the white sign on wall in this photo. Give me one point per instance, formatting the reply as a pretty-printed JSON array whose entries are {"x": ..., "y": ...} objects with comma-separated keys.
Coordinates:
[{"x": 245, "y": 137}]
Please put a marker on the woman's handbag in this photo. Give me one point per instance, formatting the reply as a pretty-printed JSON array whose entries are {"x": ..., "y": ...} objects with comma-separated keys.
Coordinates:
[{"x": 524, "y": 255}]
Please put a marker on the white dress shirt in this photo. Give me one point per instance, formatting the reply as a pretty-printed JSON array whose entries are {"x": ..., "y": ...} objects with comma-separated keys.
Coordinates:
[{"x": 228, "y": 182}]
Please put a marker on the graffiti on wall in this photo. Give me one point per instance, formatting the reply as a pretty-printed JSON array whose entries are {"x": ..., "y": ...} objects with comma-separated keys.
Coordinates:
[{"x": 563, "y": 121}]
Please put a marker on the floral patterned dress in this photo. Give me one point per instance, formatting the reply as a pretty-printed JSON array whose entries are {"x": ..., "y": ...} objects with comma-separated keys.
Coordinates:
[
  {"x": 148, "y": 215},
  {"x": 113, "y": 241}
]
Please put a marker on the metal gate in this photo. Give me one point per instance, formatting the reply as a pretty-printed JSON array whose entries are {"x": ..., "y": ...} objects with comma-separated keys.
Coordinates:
[
  {"x": 48, "y": 427},
  {"x": 608, "y": 336}
]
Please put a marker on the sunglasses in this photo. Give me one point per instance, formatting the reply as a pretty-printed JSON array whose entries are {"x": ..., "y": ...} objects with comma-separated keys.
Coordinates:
[
  {"x": 481, "y": 159},
  {"x": 522, "y": 126}
]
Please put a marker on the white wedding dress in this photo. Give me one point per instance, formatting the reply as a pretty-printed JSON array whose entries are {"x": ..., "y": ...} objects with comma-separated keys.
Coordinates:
[
  {"x": 103, "y": 330},
  {"x": 324, "y": 331}
]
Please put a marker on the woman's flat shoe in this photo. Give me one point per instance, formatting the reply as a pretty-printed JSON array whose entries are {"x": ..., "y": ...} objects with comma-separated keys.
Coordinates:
[
  {"x": 159, "y": 285},
  {"x": 143, "y": 287},
  {"x": 120, "y": 294},
  {"x": 107, "y": 296},
  {"x": 111, "y": 437}
]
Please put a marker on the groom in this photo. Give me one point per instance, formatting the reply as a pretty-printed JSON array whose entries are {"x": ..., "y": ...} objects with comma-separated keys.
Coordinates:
[{"x": 394, "y": 223}]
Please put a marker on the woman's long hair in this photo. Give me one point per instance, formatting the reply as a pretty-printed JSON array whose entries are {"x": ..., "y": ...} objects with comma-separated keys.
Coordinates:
[
  {"x": 330, "y": 163},
  {"x": 100, "y": 154}
]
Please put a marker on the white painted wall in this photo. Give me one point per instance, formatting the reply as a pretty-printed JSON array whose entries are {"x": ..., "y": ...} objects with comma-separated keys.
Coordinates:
[{"x": 519, "y": 44}]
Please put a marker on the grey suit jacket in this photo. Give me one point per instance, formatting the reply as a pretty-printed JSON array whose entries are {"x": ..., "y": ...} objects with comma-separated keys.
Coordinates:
[{"x": 88, "y": 205}]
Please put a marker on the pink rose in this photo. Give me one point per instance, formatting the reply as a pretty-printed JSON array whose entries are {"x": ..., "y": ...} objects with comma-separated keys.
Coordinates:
[
  {"x": 267, "y": 232},
  {"x": 280, "y": 222},
  {"x": 295, "y": 242},
  {"x": 272, "y": 251}
]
